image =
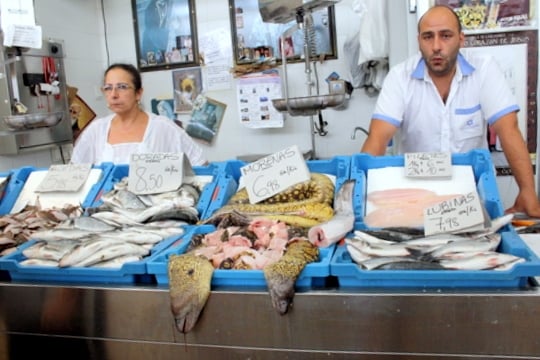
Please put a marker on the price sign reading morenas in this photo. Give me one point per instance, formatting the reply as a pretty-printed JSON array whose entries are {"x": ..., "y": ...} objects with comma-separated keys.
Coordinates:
[
  {"x": 153, "y": 173},
  {"x": 462, "y": 213},
  {"x": 274, "y": 173}
]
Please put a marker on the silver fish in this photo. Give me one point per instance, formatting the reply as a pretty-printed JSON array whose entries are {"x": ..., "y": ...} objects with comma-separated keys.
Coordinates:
[
  {"x": 50, "y": 251},
  {"x": 379, "y": 249},
  {"x": 479, "y": 261},
  {"x": 112, "y": 251},
  {"x": 488, "y": 243},
  {"x": 117, "y": 262},
  {"x": 84, "y": 250}
]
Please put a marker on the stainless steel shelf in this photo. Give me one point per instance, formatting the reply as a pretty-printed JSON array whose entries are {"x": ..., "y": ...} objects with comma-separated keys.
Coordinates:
[{"x": 135, "y": 322}]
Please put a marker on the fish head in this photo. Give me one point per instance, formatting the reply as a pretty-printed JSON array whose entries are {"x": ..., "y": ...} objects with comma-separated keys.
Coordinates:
[{"x": 190, "y": 278}]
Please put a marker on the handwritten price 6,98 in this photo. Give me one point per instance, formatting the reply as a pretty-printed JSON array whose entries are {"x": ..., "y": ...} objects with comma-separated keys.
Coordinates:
[
  {"x": 262, "y": 190},
  {"x": 147, "y": 182}
]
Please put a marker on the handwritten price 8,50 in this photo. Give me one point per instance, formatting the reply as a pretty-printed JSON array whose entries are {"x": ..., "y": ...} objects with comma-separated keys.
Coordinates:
[
  {"x": 263, "y": 190},
  {"x": 145, "y": 184}
]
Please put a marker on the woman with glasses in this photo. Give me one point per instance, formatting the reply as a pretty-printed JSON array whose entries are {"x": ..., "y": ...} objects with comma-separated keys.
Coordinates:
[{"x": 129, "y": 129}]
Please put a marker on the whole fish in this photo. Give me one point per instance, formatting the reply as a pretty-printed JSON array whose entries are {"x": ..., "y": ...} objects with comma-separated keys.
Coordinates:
[
  {"x": 333, "y": 230},
  {"x": 112, "y": 251},
  {"x": 488, "y": 243},
  {"x": 396, "y": 249},
  {"x": 479, "y": 261}
]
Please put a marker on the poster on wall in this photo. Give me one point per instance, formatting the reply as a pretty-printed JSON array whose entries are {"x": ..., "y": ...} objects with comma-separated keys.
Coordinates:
[
  {"x": 517, "y": 55},
  {"x": 255, "y": 93},
  {"x": 205, "y": 119}
]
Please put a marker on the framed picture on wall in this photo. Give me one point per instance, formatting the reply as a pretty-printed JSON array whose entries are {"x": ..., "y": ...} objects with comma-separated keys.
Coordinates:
[
  {"x": 187, "y": 85},
  {"x": 165, "y": 34},
  {"x": 255, "y": 40}
]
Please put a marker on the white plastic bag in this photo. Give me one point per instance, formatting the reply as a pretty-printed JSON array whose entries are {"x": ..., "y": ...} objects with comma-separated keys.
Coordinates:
[{"x": 373, "y": 35}]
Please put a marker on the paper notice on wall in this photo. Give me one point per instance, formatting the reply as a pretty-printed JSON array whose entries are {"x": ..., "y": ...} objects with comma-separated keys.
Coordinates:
[
  {"x": 18, "y": 22},
  {"x": 255, "y": 93}
]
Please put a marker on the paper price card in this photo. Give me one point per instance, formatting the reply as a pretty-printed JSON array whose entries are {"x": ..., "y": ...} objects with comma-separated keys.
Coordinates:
[
  {"x": 462, "y": 213},
  {"x": 274, "y": 173},
  {"x": 64, "y": 178},
  {"x": 428, "y": 165},
  {"x": 153, "y": 173}
]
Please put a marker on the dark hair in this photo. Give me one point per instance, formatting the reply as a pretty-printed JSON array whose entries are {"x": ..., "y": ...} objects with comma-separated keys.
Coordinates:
[
  {"x": 132, "y": 70},
  {"x": 445, "y": 7}
]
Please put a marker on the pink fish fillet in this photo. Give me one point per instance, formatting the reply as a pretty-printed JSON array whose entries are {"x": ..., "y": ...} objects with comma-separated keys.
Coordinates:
[{"x": 335, "y": 229}]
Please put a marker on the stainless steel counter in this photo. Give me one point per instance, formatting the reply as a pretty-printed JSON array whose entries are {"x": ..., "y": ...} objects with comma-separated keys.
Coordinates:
[{"x": 136, "y": 323}]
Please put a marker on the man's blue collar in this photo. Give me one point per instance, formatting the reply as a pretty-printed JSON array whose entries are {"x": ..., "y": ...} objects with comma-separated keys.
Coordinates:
[{"x": 465, "y": 67}]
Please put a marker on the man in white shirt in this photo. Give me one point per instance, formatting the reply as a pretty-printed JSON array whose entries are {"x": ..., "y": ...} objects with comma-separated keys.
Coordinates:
[{"x": 444, "y": 101}]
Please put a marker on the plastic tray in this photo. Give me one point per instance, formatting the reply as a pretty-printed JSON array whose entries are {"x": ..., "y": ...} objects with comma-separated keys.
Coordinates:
[
  {"x": 350, "y": 275},
  {"x": 19, "y": 177},
  {"x": 130, "y": 273},
  {"x": 121, "y": 171},
  {"x": 338, "y": 166},
  {"x": 8, "y": 175},
  {"x": 314, "y": 274},
  {"x": 479, "y": 159}
]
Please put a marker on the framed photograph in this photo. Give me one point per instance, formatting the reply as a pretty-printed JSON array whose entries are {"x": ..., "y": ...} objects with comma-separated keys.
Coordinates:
[
  {"x": 165, "y": 34},
  {"x": 81, "y": 115},
  {"x": 254, "y": 40},
  {"x": 205, "y": 119},
  {"x": 187, "y": 84}
]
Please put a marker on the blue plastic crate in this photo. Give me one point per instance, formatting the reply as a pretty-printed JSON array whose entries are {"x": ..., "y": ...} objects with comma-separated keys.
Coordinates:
[
  {"x": 129, "y": 273},
  {"x": 338, "y": 166},
  {"x": 313, "y": 274},
  {"x": 5, "y": 195},
  {"x": 479, "y": 159},
  {"x": 351, "y": 275},
  {"x": 121, "y": 171},
  {"x": 19, "y": 177}
]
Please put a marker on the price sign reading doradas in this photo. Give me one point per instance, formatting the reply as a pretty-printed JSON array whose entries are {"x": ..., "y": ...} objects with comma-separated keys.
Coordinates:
[
  {"x": 274, "y": 173},
  {"x": 153, "y": 173}
]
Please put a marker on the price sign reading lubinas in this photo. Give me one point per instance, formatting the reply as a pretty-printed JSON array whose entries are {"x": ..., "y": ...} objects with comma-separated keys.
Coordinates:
[
  {"x": 274, "y": 173},
  {"x": 428, "y": 165},
  {"x": 64, "y": 178},
  {"x": 153, "y": 173},
  {"x": 462, "y": 213}
]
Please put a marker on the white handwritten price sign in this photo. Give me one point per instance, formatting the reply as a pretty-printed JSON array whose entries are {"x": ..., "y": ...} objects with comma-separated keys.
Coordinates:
[
  {"x": 274, "y": 173},
  {"x": 428, "y": 165},
  {"x": 64, "y": 178},
  {"x": 153, "y": 173},
  {"x": 462, "y": 213}
]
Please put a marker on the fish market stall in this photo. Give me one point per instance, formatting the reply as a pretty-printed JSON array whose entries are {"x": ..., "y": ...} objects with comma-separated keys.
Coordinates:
[{"x": 338, "y": 306}]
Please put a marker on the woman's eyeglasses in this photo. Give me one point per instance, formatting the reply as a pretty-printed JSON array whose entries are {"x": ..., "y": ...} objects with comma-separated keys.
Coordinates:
[{"x": 120, "y": 87}]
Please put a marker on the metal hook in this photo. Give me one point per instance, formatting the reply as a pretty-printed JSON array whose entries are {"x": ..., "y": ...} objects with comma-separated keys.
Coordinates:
[{"x": 353, "y": 135}]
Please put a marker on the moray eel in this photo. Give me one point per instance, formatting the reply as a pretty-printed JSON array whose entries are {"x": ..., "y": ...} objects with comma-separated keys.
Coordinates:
[
  {"x": 190, "y": 277},
  {"x": 281, "y": 275},
  {"x": 305, "y": 204}
]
